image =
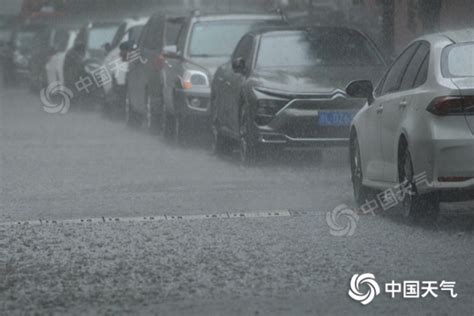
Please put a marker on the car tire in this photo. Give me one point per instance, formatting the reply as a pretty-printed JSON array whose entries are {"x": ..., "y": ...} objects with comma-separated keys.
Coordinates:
[
  {"x": 362, "y": 193},
  {"x": 220, "y": 144},
  {"x": 248, "y": 147},
  {"x": 415, "y": 206}
]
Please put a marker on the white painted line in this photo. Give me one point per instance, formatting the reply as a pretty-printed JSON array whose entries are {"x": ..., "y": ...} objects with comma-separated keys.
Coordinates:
[{"x": 103, "y": 220}]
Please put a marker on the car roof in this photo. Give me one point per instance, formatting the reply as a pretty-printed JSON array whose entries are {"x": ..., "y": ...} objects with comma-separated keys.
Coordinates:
[
  {"x": 235, "y": 17},
  {"x": 457, "y": 36},
  {"x": 279, "y": 30}
]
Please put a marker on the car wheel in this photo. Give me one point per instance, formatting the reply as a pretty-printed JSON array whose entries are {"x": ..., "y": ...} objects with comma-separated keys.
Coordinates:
[
  {"x": 151, "y": 118},
  {"x": 362, "y": 194},
  {"x": 414, "y": 205},
  {"x": 248, "y": 148},
  {"x": 220, "y": 144}
]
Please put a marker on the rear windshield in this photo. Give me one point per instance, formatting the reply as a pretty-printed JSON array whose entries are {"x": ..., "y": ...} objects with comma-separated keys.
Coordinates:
[
  {"x": 458, "y": 61},
  {"x": 333, "y": 48},
  {"x": 218, "y": 38}
]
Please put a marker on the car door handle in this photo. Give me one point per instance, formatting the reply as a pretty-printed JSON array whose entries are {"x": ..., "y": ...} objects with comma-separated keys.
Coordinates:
[
  {"x": 403, "y": 104},
  {"x": 380, "y": 109}
]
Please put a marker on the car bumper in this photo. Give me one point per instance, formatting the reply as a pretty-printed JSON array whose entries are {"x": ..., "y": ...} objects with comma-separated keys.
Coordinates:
[
  {"x": 193, "y": 102},
  {"x": 276, "y": 139},
  {"x": 449, "y": 167},
  {"x": 319, "y": 122}
]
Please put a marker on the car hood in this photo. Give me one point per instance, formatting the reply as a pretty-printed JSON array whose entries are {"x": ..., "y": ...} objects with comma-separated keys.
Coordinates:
[{"x": 313, "y": 80}]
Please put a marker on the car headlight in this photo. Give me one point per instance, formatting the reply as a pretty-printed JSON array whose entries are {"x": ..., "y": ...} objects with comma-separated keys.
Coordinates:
[{"x": 193, "y": 78}]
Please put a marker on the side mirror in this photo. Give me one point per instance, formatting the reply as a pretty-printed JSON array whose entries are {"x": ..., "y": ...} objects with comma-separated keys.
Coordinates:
[
  {"x": 361, "y": 89},
  {"x": 238, "y": 65},
  {"x": 171, "y": 51}
]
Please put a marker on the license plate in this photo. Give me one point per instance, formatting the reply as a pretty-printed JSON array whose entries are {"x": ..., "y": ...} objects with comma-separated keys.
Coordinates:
[{"x": 336, "y": 118}]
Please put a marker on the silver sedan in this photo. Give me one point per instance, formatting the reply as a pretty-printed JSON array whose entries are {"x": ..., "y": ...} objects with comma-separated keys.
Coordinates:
[{"x": 415, "y": 135}]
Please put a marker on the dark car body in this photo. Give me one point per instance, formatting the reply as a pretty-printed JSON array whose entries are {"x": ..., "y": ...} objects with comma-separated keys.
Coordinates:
[
  {"x": 261, "y": 98},
  {"x": 24, "y": 44},
  {"x": 83, "y": 72},
  {"x": 204, "y": 43}
]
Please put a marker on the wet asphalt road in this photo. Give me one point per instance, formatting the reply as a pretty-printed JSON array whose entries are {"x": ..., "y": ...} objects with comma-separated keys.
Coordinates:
[{"x": 81, "y": 165}]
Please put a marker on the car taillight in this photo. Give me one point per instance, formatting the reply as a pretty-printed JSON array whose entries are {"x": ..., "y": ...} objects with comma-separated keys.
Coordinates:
[
  {"x": 452, "y": 105},
  {"x": 159, "y": 62}
]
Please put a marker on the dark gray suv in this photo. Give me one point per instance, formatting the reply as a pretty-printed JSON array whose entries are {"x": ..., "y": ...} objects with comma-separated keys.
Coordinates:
[{"x": 204, "y": 43}]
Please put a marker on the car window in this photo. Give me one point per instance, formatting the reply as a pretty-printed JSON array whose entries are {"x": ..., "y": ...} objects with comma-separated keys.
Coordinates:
[
  {"x": 458, "y": 61},
  {"x": 324, "y": 48},
  {"x": 408, "y": 81},
  {"x": 244, "y": 49},
  {"x": 395, "y": 74},
  {"x": 217, "y": 38},
  {"x": 422, "y": 75},
  {"x": 100, "y": 36}
]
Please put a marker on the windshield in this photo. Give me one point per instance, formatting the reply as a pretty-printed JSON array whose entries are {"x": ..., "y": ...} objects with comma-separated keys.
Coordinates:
[
  {"x": 100, "y": 36},
  {"x": 459, "y": 61},
  {"x": 332, "y": 48},
  {"x": 217, "y": 39}
]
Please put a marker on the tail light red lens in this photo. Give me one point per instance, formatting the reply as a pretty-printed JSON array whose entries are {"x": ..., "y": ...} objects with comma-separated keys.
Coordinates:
[{"x": 451, "y": 105}]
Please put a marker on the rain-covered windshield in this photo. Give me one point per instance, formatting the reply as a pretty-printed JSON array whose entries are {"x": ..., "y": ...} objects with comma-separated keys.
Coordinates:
[
  {"x": 217, "y": 39},
  {"x": 316, "y": 49}
]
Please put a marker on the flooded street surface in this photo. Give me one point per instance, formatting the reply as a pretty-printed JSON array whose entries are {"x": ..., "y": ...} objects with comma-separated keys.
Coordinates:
[{"x": 83, "y": 166}]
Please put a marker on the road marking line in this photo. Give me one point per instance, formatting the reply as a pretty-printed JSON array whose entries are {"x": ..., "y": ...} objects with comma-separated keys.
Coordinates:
[{"x": 157, "y": 218}]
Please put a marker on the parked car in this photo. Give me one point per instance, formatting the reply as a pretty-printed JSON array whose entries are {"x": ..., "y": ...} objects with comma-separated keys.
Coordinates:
[
  {"x": 83, "y": 65},
  {"x": 6, "y": 27},
  {"x": 185, "y": 75},
  {"x": 24, "y": 41},
  {"x": 55, "y": 66},
  {"x": 284, "y": 88},
  {"x": 144, "y": 97},
  {"x": 116, "y": 65},
  {"x": 417, "y": 130}
]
